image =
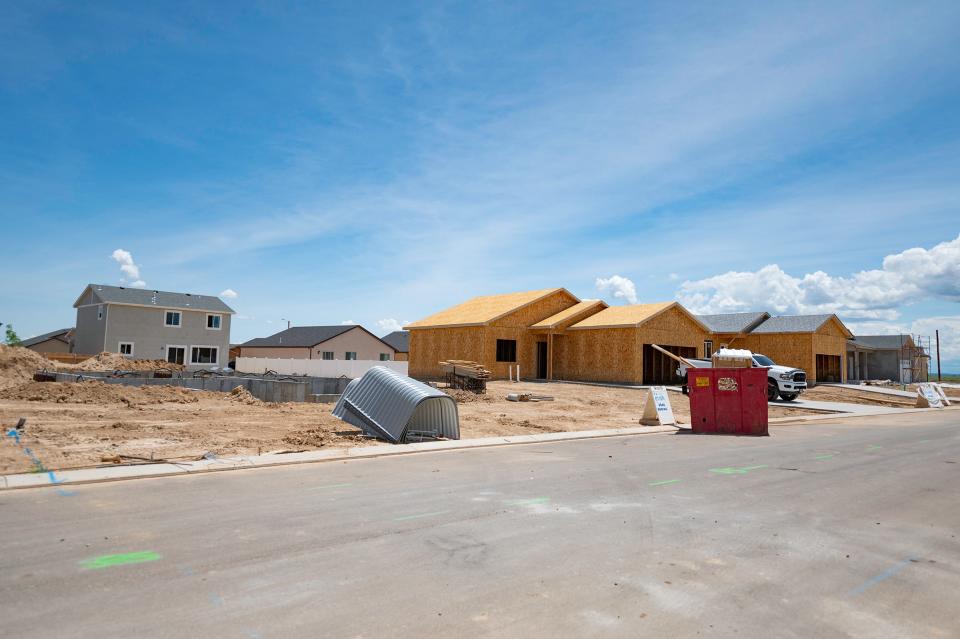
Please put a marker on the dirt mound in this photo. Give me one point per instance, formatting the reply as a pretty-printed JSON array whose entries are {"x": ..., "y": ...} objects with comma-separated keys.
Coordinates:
[
  {"x": 101, "y": 393},
  {"x": 113, "y": 362},
  {"x": 241, "y": 395},
  {"x": 18, "y": 364}
]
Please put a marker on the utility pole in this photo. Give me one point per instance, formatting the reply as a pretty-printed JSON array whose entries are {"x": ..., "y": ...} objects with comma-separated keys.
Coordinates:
[{"x": 939, "y": 376}]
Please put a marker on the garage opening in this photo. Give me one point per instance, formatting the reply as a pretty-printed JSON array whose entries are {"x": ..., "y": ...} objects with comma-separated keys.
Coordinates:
[
  {"x": 660, "y": 369},
  {"x": 828, "y": 368}
]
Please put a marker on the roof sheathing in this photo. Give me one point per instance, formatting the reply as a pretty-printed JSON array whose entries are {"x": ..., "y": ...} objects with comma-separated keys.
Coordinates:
[
  {"x": 632, "y": 315},
  {"x": 567, "y": 314},
  {"x": 484, "y": 310}
]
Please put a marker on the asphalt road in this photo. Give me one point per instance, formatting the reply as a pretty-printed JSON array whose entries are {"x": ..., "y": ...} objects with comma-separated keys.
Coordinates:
[{"x": 825, "y": 530}]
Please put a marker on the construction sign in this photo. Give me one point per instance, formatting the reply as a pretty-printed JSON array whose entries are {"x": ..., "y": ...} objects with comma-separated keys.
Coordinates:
[
  {"x": 657, "y": 410},
  {"x": 928, "y": 397}
]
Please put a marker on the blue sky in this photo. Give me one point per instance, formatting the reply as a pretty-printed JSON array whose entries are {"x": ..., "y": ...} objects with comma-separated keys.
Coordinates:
[{"x": 375, "y": 162}]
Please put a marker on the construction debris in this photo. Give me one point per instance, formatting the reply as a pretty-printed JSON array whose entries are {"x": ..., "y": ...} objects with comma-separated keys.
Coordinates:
[
  {"x": 465, "y": 375},
  {"x": 528, "y": 397}
]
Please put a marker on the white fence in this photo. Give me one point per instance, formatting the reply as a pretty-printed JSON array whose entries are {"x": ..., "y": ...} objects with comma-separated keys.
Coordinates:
[{"x": 351, "y": 368}]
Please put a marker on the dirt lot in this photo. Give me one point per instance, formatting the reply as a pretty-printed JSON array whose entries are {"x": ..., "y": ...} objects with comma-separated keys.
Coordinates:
[
  {"x": 853, "y": 396},
  {"x": 78, "y": 425}
]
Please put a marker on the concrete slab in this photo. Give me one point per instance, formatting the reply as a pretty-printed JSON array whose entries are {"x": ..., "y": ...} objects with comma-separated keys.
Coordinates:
[{"x": 882, "y": 390}]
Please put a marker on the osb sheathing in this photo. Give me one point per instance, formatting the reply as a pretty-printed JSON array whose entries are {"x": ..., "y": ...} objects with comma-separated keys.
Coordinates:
[
  {"x": 800, "y": 350},
  {"x": 616, "y": 354},
  {"x": 400, "y": 357},
  {"x": 428, "y": 346}
]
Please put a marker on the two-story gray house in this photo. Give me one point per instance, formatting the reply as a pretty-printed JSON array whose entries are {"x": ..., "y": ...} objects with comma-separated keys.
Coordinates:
[{"x": 193, "y": 330}]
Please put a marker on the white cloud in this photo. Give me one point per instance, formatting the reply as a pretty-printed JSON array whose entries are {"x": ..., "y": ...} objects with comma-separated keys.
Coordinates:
[
  {"x": 228, "y": 293},
  {"x": 246, "y": 317},
  {"x": 621, "y": 287},
  {"x": 347, "y": 322},
  {"x": 390, "y": 325},
  {"x": 674, "y": 277},
  {"x": 924, "y": 329},
  {"x": 130, "y": 270},
  {"x": 914, "y": 275}
]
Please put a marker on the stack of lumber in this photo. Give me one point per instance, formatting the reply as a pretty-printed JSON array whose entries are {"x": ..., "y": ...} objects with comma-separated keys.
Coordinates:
[
  {"x": 465, "y": 368},
  {"x": 465, "y": 375}
]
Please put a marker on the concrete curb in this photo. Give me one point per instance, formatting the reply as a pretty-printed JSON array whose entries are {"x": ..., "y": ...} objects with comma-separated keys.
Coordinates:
[{"x": 119, "y": 473}]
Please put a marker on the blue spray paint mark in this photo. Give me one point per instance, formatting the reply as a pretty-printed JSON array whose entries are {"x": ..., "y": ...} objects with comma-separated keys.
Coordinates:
[
  {"x": 37, "y": 464},
  {"x": 883, "y": 576}
]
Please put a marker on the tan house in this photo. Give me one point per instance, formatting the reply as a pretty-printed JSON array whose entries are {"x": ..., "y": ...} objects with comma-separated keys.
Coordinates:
[
  {"x": 400, "y": 341},
  {"x": 615, "y": 344},
  {"x": 815, "y": 343},
  {"x": 493, "y": 330},
  {"x": 350, "y": 341},
  {"x": 52, "y": 342}
]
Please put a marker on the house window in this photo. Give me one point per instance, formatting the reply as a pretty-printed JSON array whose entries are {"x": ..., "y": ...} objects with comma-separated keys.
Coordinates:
[
  {"x": 203, "y": 355},
  {"x": 327, "y": 354},
  {"x": 350, "y": 355},
  {"x": 506, "y": 350},
  {"x": 384, "y": 357},
  {"x": 708, "y": 348},
  {"x": 125, "y": 348},
  {"x": 175, "y": 354},
  {"x": 213, "y": 322},
  {"x": 171, "y": 318},
  {"x": 100, "y": 312}
]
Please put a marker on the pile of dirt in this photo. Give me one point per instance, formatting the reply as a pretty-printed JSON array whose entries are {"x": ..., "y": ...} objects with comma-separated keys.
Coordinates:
[
  {"x": 94, "y": 392},
  {"x": 466, "y": 397},
  {"x": 114, "y": 362},
  {"x": 241, "y": 395},
  {"x": 18, "y": 364}
]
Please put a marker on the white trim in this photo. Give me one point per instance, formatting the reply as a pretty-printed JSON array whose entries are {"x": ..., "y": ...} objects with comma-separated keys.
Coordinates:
[
  {"x": 120, "y": 350},
  {"x": 167, "y": 347},
  {"x": 99, "y": 312},
  {"x": 179, "y": 313},
  {"x": 220, "y": 323},
  {"x": 189, "y": 358}
]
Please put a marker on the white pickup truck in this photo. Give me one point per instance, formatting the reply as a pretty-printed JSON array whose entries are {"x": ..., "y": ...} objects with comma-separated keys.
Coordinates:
[{"x": 782, "y": 381}]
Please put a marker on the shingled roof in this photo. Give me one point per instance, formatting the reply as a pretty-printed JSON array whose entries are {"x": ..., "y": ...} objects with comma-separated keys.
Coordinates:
[
  {"x": 883, "y": 342},
  {"x": 60, "y": 334},
  {"x": 104, "y": 294},
  {"x": 733, "y": 322},
  {"x": 399, "y": 340},
  {"x": 301, "y": 336},
  {"x": 797, "y": 324}
]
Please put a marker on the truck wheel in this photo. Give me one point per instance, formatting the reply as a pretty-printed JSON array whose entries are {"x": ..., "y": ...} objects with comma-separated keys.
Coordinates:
[
  {"x": 772, "y": 391},
  {"x": 788, "y": 397}
]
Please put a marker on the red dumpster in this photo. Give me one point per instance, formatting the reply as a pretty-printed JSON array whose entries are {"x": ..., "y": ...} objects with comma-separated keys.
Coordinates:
[{"x": 730, "y": 401}]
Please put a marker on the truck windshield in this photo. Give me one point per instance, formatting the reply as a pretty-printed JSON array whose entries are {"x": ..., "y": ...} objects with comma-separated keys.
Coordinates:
[{"x": 763, "y": 360}]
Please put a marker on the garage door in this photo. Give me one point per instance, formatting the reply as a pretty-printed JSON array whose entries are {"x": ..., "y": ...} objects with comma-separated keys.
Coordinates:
[
  {"x": 660, "y": 369},
  {"x": 828, "y": 368}
]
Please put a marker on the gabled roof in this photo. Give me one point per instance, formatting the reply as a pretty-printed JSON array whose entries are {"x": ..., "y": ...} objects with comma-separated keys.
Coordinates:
[
  {"x": 883, "y": 342},
  {"x": 399, "y": 340},
  {"x": 632, "y": 315},
  {"x": 733, "y": 322},
  {"x": 798, "y": 324},
  {"x": 60, "y": 334},
  {"x": 576, "y": 310},
  {"x": 484, "y": 309},
  {"x": 306, "y": 336},
  {"x": 104, "y": 294}
]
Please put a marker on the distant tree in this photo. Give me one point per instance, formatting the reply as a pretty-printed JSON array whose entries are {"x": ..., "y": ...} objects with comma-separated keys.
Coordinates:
[{"x": 12, "y": 338}]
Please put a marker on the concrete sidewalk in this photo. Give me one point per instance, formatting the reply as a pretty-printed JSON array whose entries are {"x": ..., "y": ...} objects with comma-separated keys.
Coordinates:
[
  {"x": 839, "y": 407},
  {"x": 882, "y": 390}
]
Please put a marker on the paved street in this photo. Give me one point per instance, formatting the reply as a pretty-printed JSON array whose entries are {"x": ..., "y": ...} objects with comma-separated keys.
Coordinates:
[{"x": 822, "y": 530}]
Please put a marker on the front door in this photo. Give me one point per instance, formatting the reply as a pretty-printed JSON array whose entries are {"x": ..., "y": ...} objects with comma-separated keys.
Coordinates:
[{"x": 541, "y": 360}]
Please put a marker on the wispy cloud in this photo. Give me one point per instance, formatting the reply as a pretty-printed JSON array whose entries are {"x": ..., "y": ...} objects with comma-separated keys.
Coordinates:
[
  {"x": 390, "y": 325},
  {"x": 130, "y": 270},
  {"x": 229, "y": 293}
]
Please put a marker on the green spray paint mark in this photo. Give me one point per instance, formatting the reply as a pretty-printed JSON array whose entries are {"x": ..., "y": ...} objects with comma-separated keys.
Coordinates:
[
  {"x": 924, "y": 441},
  {"x": 664, "y": 482},
  {"x": 823, "y": 457},
  {"x": 330, "y": 486},
  {"x": 527, "y": 502},
  {"x": 107, "y": 561},
  {"x": 421, "y": 515},
  {"x": 736, "y": 471},
  {"x": 874, "y": 447}
]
